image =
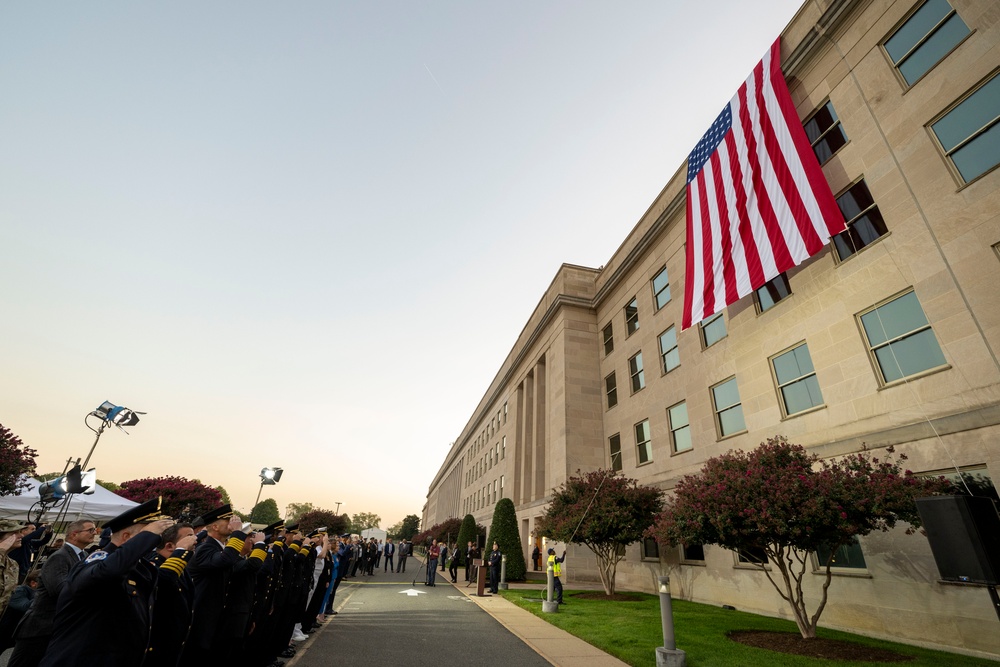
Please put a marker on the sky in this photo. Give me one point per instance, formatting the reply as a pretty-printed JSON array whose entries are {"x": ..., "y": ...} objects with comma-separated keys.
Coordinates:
[{"x": 306, "y": 235}]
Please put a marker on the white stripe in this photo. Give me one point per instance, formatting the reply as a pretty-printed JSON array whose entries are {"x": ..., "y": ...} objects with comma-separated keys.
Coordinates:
[
  {"x": 715, "y": 229},
  {"x": 760, "y": 237},
  {"x": 696, "y": 271},
  {"x": 738, "y": 254}
]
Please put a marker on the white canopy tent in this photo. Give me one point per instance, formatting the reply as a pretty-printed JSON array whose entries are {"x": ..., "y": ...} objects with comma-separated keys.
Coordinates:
[{"x": 97, "y": 507}]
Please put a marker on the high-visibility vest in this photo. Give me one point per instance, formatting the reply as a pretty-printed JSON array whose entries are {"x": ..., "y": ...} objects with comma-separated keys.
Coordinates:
[{"x": 555, "y": 565}]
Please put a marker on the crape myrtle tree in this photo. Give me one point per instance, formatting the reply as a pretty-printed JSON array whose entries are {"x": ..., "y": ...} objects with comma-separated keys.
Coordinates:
[
  {"x": 783, "y": 501},
  {"x": 320, "y": 518},
  {"x": 604, "y": 511},
  {"x": 446, "y": 530},
  {"x": 182, "y": 497},
  {"x": 504, "y": 532},
  {"x": 17, "y": 462}
]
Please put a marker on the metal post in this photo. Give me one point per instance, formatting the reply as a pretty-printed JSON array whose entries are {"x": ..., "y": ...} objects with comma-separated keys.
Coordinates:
[
  {"x": 503, "y": 573},
  {"x": 668, "y": 655},
  {"x": 259, "y": 491},
  {"x": 550, "y": 605}
]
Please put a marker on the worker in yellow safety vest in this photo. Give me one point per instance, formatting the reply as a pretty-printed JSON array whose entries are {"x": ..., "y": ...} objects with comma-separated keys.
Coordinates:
[{"x": 556, "y": 565}]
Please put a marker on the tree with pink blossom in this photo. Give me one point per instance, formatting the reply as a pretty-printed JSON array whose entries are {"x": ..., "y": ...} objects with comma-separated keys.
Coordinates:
[
  {"x": 187, "y": 498},
  {"x": 782, "y": 501},
  {"x": 17, "y": 461}
]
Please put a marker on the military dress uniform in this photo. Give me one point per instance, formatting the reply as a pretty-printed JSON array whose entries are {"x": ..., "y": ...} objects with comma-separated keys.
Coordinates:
[
  {"x": 102, "y": 618},
  {"x": 172, "y": 609}
]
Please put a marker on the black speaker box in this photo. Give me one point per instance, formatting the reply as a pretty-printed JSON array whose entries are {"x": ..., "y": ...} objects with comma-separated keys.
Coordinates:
[{"x": 964, "y": 533}]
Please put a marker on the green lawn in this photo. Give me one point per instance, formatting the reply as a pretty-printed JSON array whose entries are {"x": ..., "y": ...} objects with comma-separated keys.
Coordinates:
[{"x": 631, "y": 632}]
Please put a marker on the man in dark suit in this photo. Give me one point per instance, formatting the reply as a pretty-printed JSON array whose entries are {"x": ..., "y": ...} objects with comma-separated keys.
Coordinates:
[
  {"x": 102, "y": 618},
  {"x": 389, "y": 550},
  {"x": 32, "y": 636},
  {"x": 171, "y": 618}
]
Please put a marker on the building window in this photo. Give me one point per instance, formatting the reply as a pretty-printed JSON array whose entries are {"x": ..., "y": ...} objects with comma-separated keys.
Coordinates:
[
  {"x": 503, "y": 448},
  {"x": 501, "y": 486},
  {"x": 650, "y": 549},
  {"x": 864, "y": 221},
  {"x": 670, "y": 357},
  {"x": 847, "y": 555},
  {"x": 926, "y": 37},
  {"x": 609, "y": 339},
  {"x": 631, "y": 317},
  {"x": 680, "y": 428},
  {"x": 611, "y": 389},
  {"x": 728, "y": 409},
  {"x": 505, "y": 412},
  {"x": 695, "y": 552},
  {"x": 773, "y": 291},
  {"x": 494, "y": 492},
  {"x": 970, "y": 132},
  {"x": 615, "y": 447},
  {"x": 798, "y": 387},
  {"x": 753, "y": 555},
  {"x": 644, "y": 447},
  {"x": 713, "y": 329},
  {"x": 973, "y": 480},
  {"x": 900, "y": 339},
  {"x": 661, "y": 289},
  {"x": 825, "y": 133},
  {"x": 635, "y": 371}
]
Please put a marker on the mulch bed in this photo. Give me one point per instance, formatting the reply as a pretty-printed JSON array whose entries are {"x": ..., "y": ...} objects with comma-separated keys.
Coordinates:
[
  {"x": 617, "y": 597},
  {"x": 817, "y": 647}
]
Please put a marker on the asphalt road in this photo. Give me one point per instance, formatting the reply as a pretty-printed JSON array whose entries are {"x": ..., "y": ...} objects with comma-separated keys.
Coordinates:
[{"x": 386, "y": 620}]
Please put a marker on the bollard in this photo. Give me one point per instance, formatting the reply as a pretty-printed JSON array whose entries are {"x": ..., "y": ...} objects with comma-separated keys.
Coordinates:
[
  {"x": 503, "y": 573},
  {"x": 668, "y": 655},
  {"x": 550, "y": 605}
]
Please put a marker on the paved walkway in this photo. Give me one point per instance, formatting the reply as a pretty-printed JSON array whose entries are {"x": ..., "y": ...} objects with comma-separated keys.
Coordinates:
[{"x": 555, "y": 646}]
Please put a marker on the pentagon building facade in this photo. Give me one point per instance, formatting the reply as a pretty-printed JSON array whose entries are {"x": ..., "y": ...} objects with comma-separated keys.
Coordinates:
[{"x": 901, "y": 99}]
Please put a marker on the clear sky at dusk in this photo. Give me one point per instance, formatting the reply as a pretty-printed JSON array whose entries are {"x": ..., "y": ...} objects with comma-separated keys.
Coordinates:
[{"x": 307, "y": 234}]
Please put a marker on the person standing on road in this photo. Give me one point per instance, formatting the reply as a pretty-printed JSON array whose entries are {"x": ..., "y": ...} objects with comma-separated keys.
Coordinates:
[
  {"x": 432, "y": 561},
  {"x": 444, "y": 556},
  {"x": 404, "y": 551},
  {"x": 556, "y": 565},
  {"x": 494, "y": 561},
  {"x": 388, "y": 551}
]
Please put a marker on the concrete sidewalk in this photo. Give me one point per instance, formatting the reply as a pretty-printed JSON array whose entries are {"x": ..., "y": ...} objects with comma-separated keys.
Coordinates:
[{"x": 555, "y": 645}]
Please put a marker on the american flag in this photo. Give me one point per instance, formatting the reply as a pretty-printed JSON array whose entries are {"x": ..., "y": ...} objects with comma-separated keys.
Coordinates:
[{"x": 757, "y": 201}]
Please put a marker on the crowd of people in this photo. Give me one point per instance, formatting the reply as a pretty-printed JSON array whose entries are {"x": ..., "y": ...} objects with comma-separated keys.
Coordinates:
[{"x": 155, "y": 592}]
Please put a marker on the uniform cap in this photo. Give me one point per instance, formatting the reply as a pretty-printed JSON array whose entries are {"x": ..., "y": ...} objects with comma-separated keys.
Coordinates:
[
  {"x": 10, "y": 525},
  {"x": 223, "y": 512},
  {"x": 147, "y": 512}
]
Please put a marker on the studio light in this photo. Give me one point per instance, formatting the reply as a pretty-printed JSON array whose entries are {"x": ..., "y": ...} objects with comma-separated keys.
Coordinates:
[{"x": 270, "y": 475}]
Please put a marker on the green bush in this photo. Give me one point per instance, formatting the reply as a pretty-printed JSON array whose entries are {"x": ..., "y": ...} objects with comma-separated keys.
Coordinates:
[
  {"x": 504, "y": 532},
  {"x": 467, "y": 533}
]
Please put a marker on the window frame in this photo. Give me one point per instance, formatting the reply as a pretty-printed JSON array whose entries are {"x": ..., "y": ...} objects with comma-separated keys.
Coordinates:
[
  {"x": 609, "y": 338},
  {"x": 873, "y": 359},
  {"x": 639, "y": 444},
  {"x": 636, "y": 370},
  {"x": 838, "y": 260},
  {"x": 631, "y": 321},
  {"x": 673, "y": 431},
  {"x": 781, "y": 278},
  {"x": 838, "y": 124},
  {"x": 644, "y": 549},
  {"x": 612, "y": 390},
  {"x": 711, "y": 319},
  {"x": 688, "y": 560},
  {"x": 663, "y": 355},
  {"x": 894, "y": 65},
  {"x": 666, "y": 288},
  {"x": 612, "y": 440},
  {"x": 779, "y": 386},
  {"x": 820, "y": 565},
  {"x": 716, "y": 412},
  {"x": 952, "y": 167}
]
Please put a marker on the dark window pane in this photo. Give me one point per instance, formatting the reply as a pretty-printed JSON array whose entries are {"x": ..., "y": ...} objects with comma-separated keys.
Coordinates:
[
  {"x": 772, "y": 292},
  {"x": 755, "y": 555},
  {"x": 973, "y": 114},
  {"x": 821, "y": 122},
  {"x": 650, "y": 549},
  {"x": 661, "y": 289},
  {"x": 916, "y": 28},
  {"x": 611, "y": 389},
  {"x": 802, "y": 395},
  {"x": 909, "y": 356},
  {"x": 830, "y": 144},
  {"x": 861, "y": 233},
  {"x": 855, "y": 200},
  {"x": 848, "y": 555},
  {"x": 609, "y": 340},
  {"x": 934, "y": 49},
  {"x": 894, "y": 319},
  {"x": 693, "y": 552},
  {"x": 615, "y": 444},
  {"x": 976, "y": 482},
  {"x": 979, "y": 155},
  {"x": 632, "y": 317}
]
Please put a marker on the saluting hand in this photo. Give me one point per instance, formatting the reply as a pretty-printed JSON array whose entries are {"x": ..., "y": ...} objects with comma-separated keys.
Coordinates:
[
  {"x": 235, "y": 523},
  {"x": 187, "y": 542},
  {"x": 258, "y": 537},
  {"x": 157, "y": 527},
  {"x": 7, "y": 542}
]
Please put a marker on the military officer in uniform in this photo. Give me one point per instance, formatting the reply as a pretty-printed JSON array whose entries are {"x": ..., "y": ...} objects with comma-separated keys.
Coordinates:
[
  {"x": 102, "y": 618},
  {"x": 171, "y": 620}
]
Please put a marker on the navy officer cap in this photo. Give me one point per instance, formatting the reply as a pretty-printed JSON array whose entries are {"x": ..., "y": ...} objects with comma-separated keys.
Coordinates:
[
  {"x": 223, "y": 512},
  {"x": 146, "y": 512}
]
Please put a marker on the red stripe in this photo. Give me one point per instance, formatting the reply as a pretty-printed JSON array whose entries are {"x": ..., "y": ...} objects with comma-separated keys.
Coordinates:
[
  {"x": 688, "y": 264},
  {"x": 763, "y": 203},
  {"x": 706, "y": 248},
  {"x": 726, "y": 241},
  {"x": 754, "y": 266}
]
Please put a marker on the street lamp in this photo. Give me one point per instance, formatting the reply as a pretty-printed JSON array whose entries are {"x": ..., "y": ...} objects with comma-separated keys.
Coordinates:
[{"x": 267, "y": 476}]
